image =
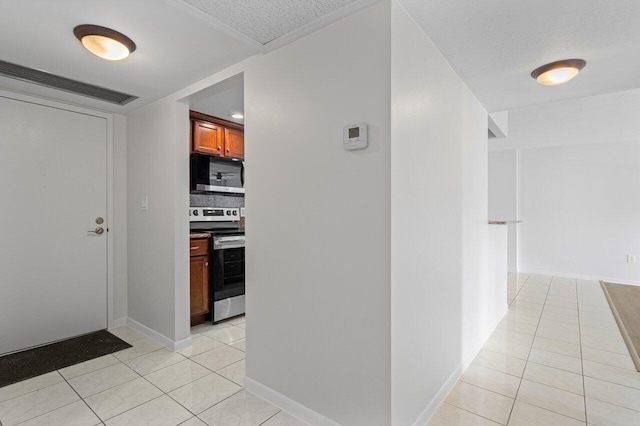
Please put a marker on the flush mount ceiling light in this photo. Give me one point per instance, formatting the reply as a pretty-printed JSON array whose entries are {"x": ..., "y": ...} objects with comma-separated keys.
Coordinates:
[
  {"x": 104, "y": 42},
  {"x": 558, "y": 72},
  {"x": 237, "y": 115}
]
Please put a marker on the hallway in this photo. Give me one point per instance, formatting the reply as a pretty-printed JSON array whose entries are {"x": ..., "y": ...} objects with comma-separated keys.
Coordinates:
[{"x": 557, "y": 358}]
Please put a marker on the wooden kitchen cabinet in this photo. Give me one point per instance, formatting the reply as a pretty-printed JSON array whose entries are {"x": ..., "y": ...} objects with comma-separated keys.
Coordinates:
[
  {"x": 208, "y": 138},
  {"x": 200, "y": 303},
  {"x": 234, "y": 143},
  {"x": 215, "y": 136}
]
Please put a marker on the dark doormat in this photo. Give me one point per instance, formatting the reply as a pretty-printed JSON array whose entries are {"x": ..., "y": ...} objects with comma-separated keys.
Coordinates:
[{"x": 44, "y": 359}]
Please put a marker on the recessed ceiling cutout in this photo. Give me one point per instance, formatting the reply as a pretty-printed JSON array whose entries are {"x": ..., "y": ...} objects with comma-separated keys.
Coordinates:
[{"x": 53, "y": 81}]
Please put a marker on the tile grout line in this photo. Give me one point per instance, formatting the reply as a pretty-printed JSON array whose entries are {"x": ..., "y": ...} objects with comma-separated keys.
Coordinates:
[
  {"x": 584, "y": 390},
  {"x": 163, "y": 392},
  {"x": 212, "y": 372},
  {"x": 466, "y": 410},
  {"x": 269, "y": 418},
  {"x": 515, "y": 398},
  {"x": 119, "y": 361},
  {"x": 518, "y": 291},
  {"x": 81, "y": 398},
  {"x": 140, "y": 377},
  {"x": 540, "y": 407}
]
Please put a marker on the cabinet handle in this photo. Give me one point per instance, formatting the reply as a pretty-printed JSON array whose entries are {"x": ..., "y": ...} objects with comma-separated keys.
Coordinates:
[
  {"x": 194, "y": 248},
  {"x": 206, "y": 263},
  {"x": 219, "y": 148},
  {"x": 228, "y": 150}
]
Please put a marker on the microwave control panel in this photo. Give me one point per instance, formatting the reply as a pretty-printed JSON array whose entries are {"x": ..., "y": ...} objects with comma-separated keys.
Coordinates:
[{"x": 355, "y": 137}]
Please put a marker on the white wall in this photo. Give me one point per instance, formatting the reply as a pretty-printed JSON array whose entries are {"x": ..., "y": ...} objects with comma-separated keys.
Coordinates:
[
  {"x": 158, "y": 266},
  {"x": 503, "y": 197},
  {"x": 596, "y": 119},
  {"x": 319, "y": 221},
  {"x": 581, "y": 210},
  {"x": 578, "y": 170},
  {"x": 318, "y": 278},
  {"x": 439, "y": 224},
  {"x": 119, "y": 217}
]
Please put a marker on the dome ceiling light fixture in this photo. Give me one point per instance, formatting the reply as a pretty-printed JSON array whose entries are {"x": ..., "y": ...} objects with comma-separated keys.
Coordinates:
[
  {"x": 558, "y": 72},
  {"x": 104, "y": 42}
]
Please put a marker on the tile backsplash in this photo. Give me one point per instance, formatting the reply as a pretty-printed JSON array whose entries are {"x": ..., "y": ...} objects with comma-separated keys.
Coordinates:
[{"x": 216, "y": 200}]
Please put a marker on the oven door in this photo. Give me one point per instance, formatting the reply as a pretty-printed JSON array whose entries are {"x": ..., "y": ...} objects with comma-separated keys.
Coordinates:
[{"x": 228, "y": 282}]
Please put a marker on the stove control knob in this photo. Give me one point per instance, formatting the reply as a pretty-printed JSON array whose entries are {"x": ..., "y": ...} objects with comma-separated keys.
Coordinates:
[
  {"x": 235, "y": 213},
  {"x": 195, "y": 212},
  {"x": 228, "y": 212}
]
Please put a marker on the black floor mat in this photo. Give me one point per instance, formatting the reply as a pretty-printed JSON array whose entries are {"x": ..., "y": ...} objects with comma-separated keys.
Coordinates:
[{"x": 34, "y": 362}]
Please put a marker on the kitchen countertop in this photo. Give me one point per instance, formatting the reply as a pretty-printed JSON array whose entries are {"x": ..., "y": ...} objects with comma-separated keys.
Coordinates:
[{"x": 199, "y": 235}]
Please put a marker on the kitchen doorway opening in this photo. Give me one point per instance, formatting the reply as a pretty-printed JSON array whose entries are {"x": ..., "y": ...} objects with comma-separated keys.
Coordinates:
[{"x": 216, "y": 225}]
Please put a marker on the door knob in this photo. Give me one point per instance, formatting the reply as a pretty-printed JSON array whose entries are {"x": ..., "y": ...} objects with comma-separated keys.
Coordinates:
[
  {"x": 99, "y": 220},
  {"x": 99, "y": 230}
]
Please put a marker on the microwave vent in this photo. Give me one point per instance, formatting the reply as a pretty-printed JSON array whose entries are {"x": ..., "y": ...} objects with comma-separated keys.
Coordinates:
[{"x": 42, "y": 78}]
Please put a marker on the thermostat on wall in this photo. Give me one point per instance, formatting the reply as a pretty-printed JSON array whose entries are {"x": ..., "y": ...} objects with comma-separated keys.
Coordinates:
[{"x": 355, "y": 137}]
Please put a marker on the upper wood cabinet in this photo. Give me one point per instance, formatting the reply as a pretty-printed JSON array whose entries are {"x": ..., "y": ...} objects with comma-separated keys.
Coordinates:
[
  {"x": 208, "y": 137},
  {"x": 214, "y": 136},
  {"x": 234, "y": 143}
]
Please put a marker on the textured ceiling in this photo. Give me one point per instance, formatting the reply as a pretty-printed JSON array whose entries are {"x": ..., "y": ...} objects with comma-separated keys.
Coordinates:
[
  {"x": 267, "y": 20},
  {"x": 494, "y": 45}
]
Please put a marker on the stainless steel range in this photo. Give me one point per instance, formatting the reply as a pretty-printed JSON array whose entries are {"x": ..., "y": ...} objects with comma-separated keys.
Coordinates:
[{"x": 227, "y": 258}]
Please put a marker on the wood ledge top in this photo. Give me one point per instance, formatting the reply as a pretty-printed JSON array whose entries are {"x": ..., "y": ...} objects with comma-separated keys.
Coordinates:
[{"x": 202, "y": 235}]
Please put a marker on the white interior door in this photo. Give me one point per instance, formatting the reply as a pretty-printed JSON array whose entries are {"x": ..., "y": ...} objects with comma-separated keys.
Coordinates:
[{"x": 53, "y": 187}]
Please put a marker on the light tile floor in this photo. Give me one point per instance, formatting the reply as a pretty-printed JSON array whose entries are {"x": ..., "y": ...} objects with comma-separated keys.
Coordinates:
[
  {"x": 148, "y": 385},
  {"x": 557, "y": 358}
]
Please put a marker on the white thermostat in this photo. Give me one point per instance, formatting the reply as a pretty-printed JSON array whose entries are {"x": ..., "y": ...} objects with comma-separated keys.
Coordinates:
[{"x": 355, "y": 137}]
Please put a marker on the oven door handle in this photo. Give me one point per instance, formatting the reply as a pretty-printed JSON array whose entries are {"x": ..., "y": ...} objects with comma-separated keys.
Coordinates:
[{"x": 228, "y": 245}]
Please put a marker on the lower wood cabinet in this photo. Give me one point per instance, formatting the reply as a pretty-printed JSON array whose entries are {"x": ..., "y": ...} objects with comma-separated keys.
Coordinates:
[{"x": 199, "y": 280}]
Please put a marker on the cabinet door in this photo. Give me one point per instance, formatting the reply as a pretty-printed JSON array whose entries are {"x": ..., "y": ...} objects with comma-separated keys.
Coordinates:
[
  {"x": 199, "y": 285},
  {"x": 234, "y": 143},
  {"x": 208, "y": 138}
]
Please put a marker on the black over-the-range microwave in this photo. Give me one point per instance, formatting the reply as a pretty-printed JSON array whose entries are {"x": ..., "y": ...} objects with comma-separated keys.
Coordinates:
[{"x": 216, "y": 174}]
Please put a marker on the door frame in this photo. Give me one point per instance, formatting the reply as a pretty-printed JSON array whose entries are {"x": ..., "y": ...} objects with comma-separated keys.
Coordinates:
[{"x": 111, "y": 321}]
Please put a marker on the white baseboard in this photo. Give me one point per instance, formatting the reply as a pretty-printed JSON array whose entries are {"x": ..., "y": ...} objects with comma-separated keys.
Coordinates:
[
  {"x": 468, "y": 358},
  {"x": 426, "y": 414},
  {"x": 287, "y": 404},
  {"x": 119, "y": 322},
  {"x": 580, "y": 277},
  {"x": 160, "y": 338}
]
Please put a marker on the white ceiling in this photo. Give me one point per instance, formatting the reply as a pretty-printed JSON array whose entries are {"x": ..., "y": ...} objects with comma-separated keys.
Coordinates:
[
  {"x": 221, "y": 100},
  {"x": 174, "y": 47},
  {"x": 494, "y": 45},
  {"x": 177, "y": 43}
]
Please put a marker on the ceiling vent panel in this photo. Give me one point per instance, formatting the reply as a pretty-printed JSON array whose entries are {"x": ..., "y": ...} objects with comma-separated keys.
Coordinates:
[{"x": 46, "y": 79}]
